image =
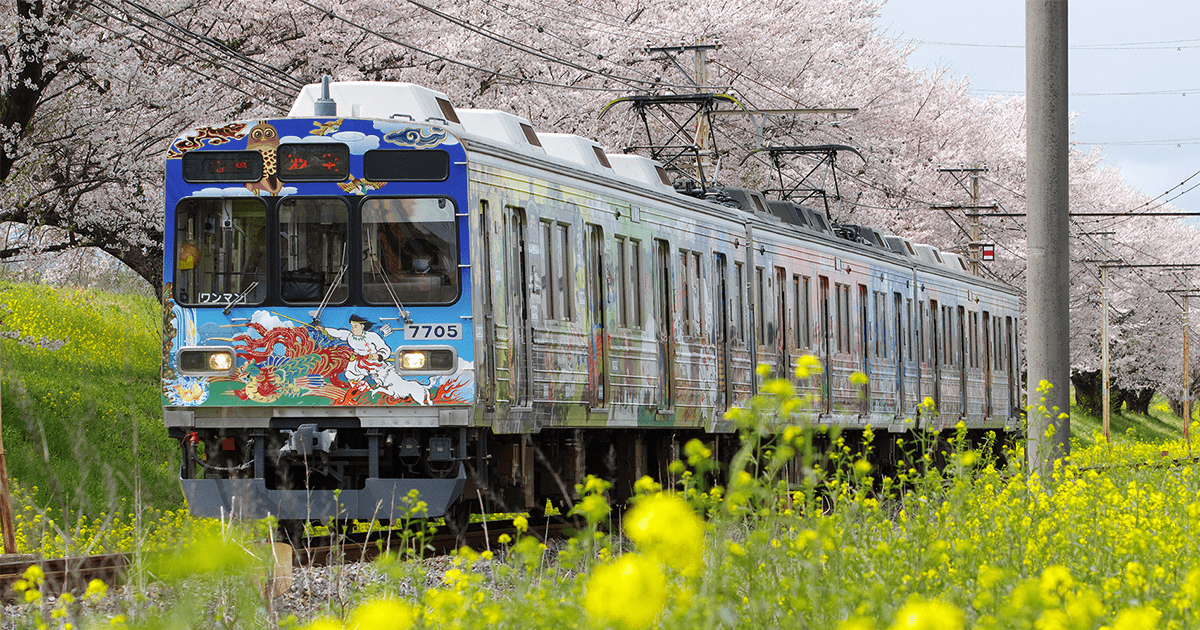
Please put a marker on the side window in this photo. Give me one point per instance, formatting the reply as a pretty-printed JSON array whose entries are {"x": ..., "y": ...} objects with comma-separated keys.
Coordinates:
[
  {"x": 550, "y": 305},
  {"x": 760, "y": 305},
  {"x": 739, "y": 291},
  {"x": 621, "y": 296},
  {"x": 636, "y": 316}
]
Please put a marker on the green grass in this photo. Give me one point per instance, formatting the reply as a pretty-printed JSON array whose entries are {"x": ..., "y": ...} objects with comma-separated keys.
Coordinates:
[
  {"x": 1161, "y": 425},
  {"x": 82, "y": 422}
]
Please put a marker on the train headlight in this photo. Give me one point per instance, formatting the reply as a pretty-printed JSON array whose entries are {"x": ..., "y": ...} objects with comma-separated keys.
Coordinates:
[
  {"x": 427, "y": 360},
  {"x": 206, "y": 361},
  {"x": 413, "y": 360}
]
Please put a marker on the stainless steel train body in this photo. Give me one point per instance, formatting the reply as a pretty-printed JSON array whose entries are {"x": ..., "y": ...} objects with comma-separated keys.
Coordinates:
[{"x": 588, "y": 317}]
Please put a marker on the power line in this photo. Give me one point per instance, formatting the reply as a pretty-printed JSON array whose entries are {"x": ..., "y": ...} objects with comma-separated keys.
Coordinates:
[
  {"x": 449, "y": 60},
  {"x": 523, "y": 48}
]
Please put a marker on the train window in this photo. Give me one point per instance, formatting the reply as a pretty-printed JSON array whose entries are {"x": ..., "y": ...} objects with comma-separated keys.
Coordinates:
[
  {"x": 600, "y": 157},
  {"x": 911, "y": 337},
  {"x": 622, "y": 293},
  {"x": 997, "y": 347},
  {"x": 823, "y": 335},
  {"x": 312, "y": 250},
  {"x": 780, "y": 340},
  {"x": 530, "y": 135},
  {"x": 685, "y": 293},
  {"x": 947, "y": 336},
  {"x": 739, "y": 284},
  {"x": 635, "y": 285},
  {"x": 806, "y": 308},
  {"x": 220, "y": 251},
  {"x": 447, "y": 110},
  {"x": 841, "y": 296},
  {"x": 697, "y": 305},
  {"x": 662, "y": 175},
  {"x": 313, "y": 162},
  {"x": 973, "y": 330},
  {"x": 550, "y": 299},
  {"x": 222, "y": 166},
  {"x": 798, "y": 313},
  {"x": 882, "y": 314},
  {"x": 410, "y": 250},
  {"x": 760, "y": 304},
  {"x": 413, "y": 165},
  {"x": 556, "y": 264},
  {"x": 566, "y": 268}
]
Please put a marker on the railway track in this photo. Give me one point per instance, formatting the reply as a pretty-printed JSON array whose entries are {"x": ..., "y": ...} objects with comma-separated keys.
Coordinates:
[{"x": 73, "y": 574}]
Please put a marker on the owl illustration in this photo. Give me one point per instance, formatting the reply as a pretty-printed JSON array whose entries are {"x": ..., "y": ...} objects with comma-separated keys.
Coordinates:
[{"x": 264, "y": 138}]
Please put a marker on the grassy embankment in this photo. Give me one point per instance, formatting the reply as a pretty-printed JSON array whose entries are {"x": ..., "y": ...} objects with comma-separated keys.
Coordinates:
[{"x": 82, "y": 420}]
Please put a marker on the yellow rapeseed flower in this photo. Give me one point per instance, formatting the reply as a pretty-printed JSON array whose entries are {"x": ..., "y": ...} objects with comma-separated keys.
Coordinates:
[
  {"x": 382, "y": 614},
  {"x": 630, "y": 592},
  {"x": 1137, "y": 619},
  {"x": 858, "y": 378},
  {"x": 928, "y": 615},
  {"x": 666, "y": 528},
  {"x": 323, "y": 623}
]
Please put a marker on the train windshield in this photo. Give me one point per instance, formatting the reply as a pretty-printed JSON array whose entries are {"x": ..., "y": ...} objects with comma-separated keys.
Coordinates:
[
  {"x": 220, "y": 251},
  {"x": 313, "y": 250},
  {"x": 410, "y": 248}
]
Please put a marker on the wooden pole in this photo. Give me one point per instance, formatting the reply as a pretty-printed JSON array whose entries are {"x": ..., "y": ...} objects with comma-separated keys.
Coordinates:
[{"x": 6, "y": 511}]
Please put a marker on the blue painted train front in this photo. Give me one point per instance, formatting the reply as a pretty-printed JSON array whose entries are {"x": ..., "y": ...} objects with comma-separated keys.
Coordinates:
[{"x": 317, "y": 355}]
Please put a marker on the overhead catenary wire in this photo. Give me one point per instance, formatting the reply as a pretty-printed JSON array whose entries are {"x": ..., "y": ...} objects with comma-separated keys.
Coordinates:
[{"x": 449, "y": 60}]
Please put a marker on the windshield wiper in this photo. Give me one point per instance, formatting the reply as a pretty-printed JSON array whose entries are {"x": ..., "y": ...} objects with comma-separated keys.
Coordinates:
[{"x": 239, "y": 297}]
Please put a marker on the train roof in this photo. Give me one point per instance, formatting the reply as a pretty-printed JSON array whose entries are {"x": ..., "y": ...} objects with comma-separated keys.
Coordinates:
[{"x": 415, "y": 103}]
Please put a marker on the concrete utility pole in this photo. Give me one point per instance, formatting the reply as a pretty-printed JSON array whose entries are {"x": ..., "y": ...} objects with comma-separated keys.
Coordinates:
[
  {"x": 1048, "y": 289},
  {"x": 1104, "y": 340}
]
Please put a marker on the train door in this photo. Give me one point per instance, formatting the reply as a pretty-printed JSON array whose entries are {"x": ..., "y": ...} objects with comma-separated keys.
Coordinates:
[
  {"x": 865, "y": 360},
  {"x": 664, "y": 320},
  {"x": 721, "y": 304},
  {"x": 597, "y": 340},
  {"x": 517, "y": 283},
  {"x": 901, "y": 336},
  {"x": 782, "y": 360},
  {"x": 987, "y": 365},
  {"x": 826, "y": 349},
  {"x": 488, "y": 373},
  {"x": 935, "y": 349}
]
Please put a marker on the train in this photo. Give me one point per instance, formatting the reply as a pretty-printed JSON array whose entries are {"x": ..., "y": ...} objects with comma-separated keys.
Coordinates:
[{"x": 381, "y": 306}]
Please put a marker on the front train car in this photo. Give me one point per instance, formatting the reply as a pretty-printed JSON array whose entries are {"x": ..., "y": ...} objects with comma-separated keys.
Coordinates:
[{"x": 317, "y": 356}]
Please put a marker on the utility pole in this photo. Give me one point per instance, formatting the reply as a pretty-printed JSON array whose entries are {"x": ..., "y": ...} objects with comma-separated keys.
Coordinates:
[
  {"x": 1106, "y": 401},
  {"x": 1048, "y": 286},
  {"x": 971, "y": 173},
  {"x": 1104, "y": 339},
  {"x": 1187, "y": 381}
]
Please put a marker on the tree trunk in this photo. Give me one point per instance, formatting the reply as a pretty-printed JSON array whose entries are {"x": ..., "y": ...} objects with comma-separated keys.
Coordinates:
[
  {"x": 1138, "y": 401},
  {"x": 1089, "y": 392}
]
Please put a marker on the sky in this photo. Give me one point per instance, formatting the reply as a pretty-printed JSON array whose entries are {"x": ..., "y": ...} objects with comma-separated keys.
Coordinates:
[{"x": 1133, "y": 72}]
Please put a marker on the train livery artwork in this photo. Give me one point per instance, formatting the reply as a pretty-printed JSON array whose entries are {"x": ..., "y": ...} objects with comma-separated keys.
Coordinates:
[{"x": 379, "y": 294}]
